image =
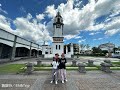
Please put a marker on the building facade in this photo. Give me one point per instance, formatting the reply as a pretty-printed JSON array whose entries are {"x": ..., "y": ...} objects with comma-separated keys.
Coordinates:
[
  {"x": 107, "y": 46},
  {"x": 13, "y": 46}
]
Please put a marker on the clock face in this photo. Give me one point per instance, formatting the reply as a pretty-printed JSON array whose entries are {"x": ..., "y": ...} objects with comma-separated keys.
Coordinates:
[{"x": 58, "y": 26}]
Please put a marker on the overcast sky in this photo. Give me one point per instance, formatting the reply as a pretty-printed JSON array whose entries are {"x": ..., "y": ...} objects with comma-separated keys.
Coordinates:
[{"x": 92, "y": 22}]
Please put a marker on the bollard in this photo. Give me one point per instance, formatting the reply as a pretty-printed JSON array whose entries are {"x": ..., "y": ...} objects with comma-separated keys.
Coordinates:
[
  {"x": 30, "y": 68},
  {"x": 107, "y": 67},
  {"x": 108, "y": 61},
  {"x": 74, "y": 63},
  {"x": 102, "y": 67},
  {"x": 81, "y": 67},
  {"x": 90, "y": 62},
  {"x": 39, "y": 62}
]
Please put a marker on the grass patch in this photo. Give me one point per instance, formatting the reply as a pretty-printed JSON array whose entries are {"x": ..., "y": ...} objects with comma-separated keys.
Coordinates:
[
  {"x": 42, "y": 68},
  {"x": 43, "y": 65},
  {"x": 11, "y": 68},
  {"x": 116, "y": 64},
  {"x": 115, "y": 68},
  {"x": 50, "y": 68},
  {"x": 20, "y": 68},
  {"x": 49, "y": 65},
  {"x": 67, "y": 68},
  {"x": 91, "y": 68},
  {"x": 71, "y": 68}
]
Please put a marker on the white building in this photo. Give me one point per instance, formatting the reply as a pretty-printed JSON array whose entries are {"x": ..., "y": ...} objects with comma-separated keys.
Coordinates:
[
  {"x": 107, "y": 46},
  {"x": 57, "y": 44}
]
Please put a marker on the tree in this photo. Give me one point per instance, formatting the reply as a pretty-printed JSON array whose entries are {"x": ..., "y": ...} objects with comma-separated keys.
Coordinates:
[
  {"x": 104, "y": 52},
  {"x": 118, "y": 47},
  {"x": 82, "y": 46},
  {"x": 87, "y": 46},
  {"x": 96, "y": 50},
  {"x": 114, "y": 49}
]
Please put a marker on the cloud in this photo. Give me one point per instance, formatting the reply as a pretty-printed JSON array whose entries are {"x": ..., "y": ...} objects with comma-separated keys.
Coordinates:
[
  {"x": 94, "y": 33},
  {"x": 112, "y": 32},
  {"x": 82, "y": 40},
  {"x": 98, "y": 39},
  {"x": 74, "y": 18},
  {"x": 77, "y": 37},
  {"x": 51, "y": 11},
  {"x": 96, "y": 27},
  {"x": 26, "y": 27},
  {"x": 1, "y": 10},
  {"x": 5, "y": 23},
  {"x": 77, "y": 19},
  {"x": 40, "y": 17},
  {"x": 68, "y": 37},
  {"x": 31, "y": 29},
  {"x": 113, "y": 27}
]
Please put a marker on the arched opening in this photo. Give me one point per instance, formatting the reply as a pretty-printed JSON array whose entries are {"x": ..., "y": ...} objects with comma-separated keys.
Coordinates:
[
  {"x": 34, "y": 53},
  {"x": 40, "y": 52},
  {"x": 5, "y": 51},
  {"x": 22, "y": 52}
]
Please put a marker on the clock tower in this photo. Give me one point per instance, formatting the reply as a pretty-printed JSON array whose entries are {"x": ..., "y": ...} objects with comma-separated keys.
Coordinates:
[{"x": 58, "y": 45}]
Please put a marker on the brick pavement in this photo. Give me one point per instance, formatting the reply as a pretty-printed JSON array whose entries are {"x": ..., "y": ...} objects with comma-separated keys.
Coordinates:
[{"x": 92, "y": 80}]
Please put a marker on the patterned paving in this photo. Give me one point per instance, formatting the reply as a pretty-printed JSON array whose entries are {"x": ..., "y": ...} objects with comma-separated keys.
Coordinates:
[{"x": 92, "y": 80}]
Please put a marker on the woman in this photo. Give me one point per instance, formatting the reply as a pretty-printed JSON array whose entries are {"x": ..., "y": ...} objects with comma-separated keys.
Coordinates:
[
  {"x": 55, "y": 65},
  {"x": 62, "y": 68}
]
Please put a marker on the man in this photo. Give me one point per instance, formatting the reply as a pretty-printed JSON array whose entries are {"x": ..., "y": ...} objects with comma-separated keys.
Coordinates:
[{"x": 62, "y": 68}]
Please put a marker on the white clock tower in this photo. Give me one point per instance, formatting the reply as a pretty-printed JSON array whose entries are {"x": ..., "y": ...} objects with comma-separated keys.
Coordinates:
[{"x": 58, "y": 44}]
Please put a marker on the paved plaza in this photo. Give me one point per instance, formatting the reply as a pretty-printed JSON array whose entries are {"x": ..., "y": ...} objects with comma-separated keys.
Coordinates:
[
  {"x": 40, "y": 80},
  {"x": 92, "y": 80}
]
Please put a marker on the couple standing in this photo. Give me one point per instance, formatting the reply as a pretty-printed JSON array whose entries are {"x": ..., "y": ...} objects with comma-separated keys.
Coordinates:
[{"x": 59, "y": 68}]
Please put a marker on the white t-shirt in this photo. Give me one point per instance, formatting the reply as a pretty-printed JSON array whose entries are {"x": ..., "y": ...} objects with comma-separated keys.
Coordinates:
[{"x": 55, "y": 64}]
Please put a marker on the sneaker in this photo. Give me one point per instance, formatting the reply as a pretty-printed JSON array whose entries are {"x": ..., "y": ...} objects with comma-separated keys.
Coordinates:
[
  {"x": 66, "y": 80},
  {"x": 62, "y": 81},
  {"x": 56, "y": 82},
  {"x": 51, "y": 82}
]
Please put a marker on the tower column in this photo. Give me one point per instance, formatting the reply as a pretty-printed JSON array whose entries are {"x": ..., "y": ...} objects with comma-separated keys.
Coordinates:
[
  {"x": 66, "y": 49},
  {"x": 71, "y": 46},
  {"x": 13, "y": 49},
  {"x": 1, "y": 48},
  {"x": 30, "y": 49},
  {"x": 37, "y": 51}
]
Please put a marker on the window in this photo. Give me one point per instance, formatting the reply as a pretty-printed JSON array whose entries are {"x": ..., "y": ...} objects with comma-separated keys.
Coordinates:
[
  {"x": 46, "y": 52},
  {"x": 59, "y": 47},
  {"x": 56, "y": 47},
  {"x": 59, "y": 20}
]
